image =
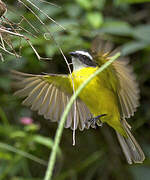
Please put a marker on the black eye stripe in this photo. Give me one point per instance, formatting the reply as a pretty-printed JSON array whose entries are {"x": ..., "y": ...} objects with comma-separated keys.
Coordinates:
[{"x": 86, "y": 60}]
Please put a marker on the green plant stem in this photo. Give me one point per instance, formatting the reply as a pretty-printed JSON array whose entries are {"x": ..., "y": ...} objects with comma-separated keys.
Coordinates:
[
  {"x": 3, "y": 117},
  {"x": 22, "y": 153},
  {"x": 59, "y": 131}
]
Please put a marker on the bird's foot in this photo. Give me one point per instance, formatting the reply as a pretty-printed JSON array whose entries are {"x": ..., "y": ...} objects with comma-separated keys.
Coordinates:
[{"x": 96, "y": 121}]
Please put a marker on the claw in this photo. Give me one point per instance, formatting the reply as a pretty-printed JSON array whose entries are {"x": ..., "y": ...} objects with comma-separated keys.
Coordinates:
[{"x": 96, "y": 121}]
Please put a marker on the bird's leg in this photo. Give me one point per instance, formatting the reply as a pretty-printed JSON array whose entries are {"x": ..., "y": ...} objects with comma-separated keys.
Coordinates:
[{"x": 96, "y": 120}]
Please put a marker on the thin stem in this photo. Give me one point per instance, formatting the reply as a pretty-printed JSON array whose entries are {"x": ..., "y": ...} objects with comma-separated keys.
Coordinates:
[
  {"x": 22, "y": 153},
  {"x": 3, "y": 117},
  {"x": 52, "y": 159},
  {"x": 45, "y": 14}
]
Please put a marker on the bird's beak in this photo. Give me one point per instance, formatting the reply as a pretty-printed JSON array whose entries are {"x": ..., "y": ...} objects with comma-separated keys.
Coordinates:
[{"x": 73, "y": 53}]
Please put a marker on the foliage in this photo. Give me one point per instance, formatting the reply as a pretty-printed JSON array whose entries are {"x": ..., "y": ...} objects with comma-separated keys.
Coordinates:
[
  {"x": 24, "y": 149},
  {"x": 132, "y": 1}
]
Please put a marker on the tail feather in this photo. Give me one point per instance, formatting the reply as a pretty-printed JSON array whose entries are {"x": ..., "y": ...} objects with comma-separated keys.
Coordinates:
[{"x": 130, "y": 147}]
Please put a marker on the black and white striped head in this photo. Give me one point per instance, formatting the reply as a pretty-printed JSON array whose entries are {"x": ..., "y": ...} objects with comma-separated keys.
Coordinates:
[{"x": 81, "y": 59}]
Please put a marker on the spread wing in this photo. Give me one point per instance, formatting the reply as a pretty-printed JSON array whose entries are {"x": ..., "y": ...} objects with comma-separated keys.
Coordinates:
[
  {"x": 128, "y": 91},
  {"x": 49, "y": 95}
]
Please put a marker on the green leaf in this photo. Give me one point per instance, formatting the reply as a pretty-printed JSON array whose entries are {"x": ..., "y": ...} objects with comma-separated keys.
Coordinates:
[
  {"x": 16, "y": 134},
  {"x": 87, "y": 4},
  {"x": 31, "y": 127},
  {"x": 132, "y": 1},
  {"x": 46, "y": 142},
  {"x": 22, "y": 153},
  {"x": 142, "y": 32},
  {"x": 117, "y": 28},
  {"x": 99, "y": 4},
  {"x": 132, "y": 47},
  {"x": 5, "y": 156},
  {"x": 7, "y": 130},
  {"x": 73, "y": 10},
  {"x": 3, "y": 117},
  {"x": 95, "y": 19}
]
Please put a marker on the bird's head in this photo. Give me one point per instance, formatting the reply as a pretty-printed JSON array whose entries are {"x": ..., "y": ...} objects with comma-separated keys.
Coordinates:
[{"x": 82, "y": 59}]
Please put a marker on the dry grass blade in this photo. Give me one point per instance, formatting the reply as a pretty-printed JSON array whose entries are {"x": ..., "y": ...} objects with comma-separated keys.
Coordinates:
[
  {"x": 3, "y": 8},
  {"x": 11, "y": 30},
  {"x": 44, "y": 14},
  {"x": 50, "y": 3}
]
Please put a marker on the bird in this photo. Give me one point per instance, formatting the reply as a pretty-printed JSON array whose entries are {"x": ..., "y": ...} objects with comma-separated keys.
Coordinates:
[{"x": 111, "y": 97}]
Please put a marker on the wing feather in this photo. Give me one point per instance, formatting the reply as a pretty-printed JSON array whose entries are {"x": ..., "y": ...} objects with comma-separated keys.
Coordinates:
[
  {"x": 43, "y": 93},
  {"x": 33, "y": 94},
  {"x": 46, "y": 105},
  {"x": 39, "y": 99},
  {"x": 25, "y": 91},
  {"x": 52, "y": 105},
  {"x": 128, "y": 92},
  {"x": 69, "y": 117},
  {"x": 43, "y": 107}
]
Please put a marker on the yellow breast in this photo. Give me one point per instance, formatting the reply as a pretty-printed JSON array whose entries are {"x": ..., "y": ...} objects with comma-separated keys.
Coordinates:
[{"x": 99, "y": 96}]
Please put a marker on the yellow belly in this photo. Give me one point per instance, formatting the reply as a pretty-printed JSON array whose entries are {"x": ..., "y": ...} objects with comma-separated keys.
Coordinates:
[{"x": 99, "y": 97}]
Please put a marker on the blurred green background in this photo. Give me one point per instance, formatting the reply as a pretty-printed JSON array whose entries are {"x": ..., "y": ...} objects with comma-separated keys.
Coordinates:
[{"x": 25, "y": 149}]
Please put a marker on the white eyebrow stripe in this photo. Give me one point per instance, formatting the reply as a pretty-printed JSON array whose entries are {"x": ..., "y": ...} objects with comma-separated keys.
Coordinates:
[{"x": 85, "y": 53}]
